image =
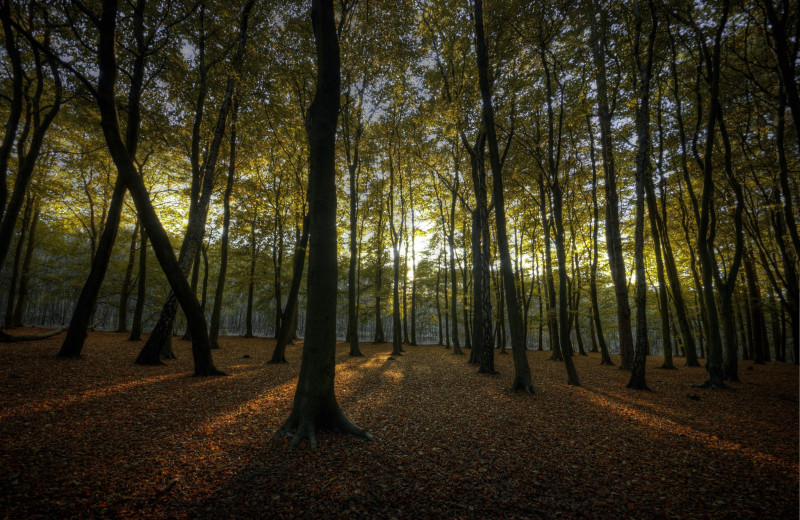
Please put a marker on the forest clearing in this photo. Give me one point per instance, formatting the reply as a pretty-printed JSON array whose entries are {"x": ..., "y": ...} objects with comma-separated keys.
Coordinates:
[{"x": 105, "y": 438}]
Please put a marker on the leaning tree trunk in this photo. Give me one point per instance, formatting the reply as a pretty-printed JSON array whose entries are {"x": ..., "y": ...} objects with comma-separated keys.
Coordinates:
[
  {"x": 315, "y": 406},
  {"x": 522, "y": 372},
  {"x": 123, "y": 160},
  {"x": 87, "y": 301},
  {"x": 219, "y": 292},
  {"x": 158, "y": 344},
  {"x": 290, "y": 309}
]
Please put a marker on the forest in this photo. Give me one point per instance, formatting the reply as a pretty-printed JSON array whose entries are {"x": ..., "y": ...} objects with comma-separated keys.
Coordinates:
[{"x": 559, "y": 196}]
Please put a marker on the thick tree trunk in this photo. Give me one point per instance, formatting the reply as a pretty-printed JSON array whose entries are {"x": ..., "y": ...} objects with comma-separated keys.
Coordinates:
[{"x": 315, "y": 406}]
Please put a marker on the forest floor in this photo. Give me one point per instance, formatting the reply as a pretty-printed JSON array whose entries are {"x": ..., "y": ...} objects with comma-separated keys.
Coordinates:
[{"x": 104, "y": 438}]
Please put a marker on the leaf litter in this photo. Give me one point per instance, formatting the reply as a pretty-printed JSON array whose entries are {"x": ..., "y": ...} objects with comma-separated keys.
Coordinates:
[{"x": 102, "y": 437}]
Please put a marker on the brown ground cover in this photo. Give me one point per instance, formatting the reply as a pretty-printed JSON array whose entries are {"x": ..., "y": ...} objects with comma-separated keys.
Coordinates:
[{"x": 104, "y": 438}]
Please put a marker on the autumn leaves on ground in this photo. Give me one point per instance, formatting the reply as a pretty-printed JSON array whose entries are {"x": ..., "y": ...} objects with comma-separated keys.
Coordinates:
[{"x": 102, "y": 437}]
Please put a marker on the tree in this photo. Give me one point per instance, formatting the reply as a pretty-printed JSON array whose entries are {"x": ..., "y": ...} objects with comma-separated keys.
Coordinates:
[
  {"x": 522, "y": 373},
  {"x": 616, "y": 262},
  {"x": 315, "y": 406}
]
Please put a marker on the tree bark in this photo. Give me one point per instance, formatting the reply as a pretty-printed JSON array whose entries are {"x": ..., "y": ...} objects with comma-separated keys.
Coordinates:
[
  {"x": 290, "y": 310},
  {"x": 522, "y": 372},
  {"x": 141, "y": 287},
  {"x": 24, "y": 277},
  {"x": 315, "y": 406},
  {"x": 605, "y": 358},
  {"x": 125, "y": 291},
  {"x": 123, "y": 160},
  {"x": 642, "y": 77},
  {"x": 613, "y": 237},
  {"x": 219, "y": 292},
  {"x": 15, "y": 269}
]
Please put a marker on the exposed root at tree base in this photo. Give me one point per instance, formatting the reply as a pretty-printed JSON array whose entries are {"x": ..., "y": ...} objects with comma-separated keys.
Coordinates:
[
  {"x": 306, "y": 428},
  {"x": 527, "y": 388}
]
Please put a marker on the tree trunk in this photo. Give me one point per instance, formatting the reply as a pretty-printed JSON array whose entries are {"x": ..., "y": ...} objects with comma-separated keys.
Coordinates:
[
  {"x": 315, "y": 406},
  {"x": 705, "y": 244},
  {"x": 613, "y": 237},
  {"x": 644, "y": 73},
  {"x": 219, "y": 292},
  {"x": 141, "y": 287},
  {"x": 605, "y": 358},
  {"x": 12, "y": 289},
  {"x": 522, "y": 372},
  {"x": 124, "y": 293},
  {"x": 251, "y": 282},
  {"x": 380, "y": 337},
  {"x": 38, "y": 120},
  {"x": 157, "y": 344},
  {"x": 24, "y": 277},
  {"x": 123, "y": 160},
  {"x": 289, "y": 319}
]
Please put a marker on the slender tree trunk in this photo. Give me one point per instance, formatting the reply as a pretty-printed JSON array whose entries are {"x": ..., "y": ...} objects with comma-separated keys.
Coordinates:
[
  {"x": 12, "y": 289},
  {"x": 158, "y": 344},
  {"x": 414, "y": 269},
  {"x": 25, "y": 275},
  {"x": 38, "y": 120},
  {"x": 380, "y": 337},
  {"x": 289, "y": 320},
  {"x": 643, "y": 175},
  {"x": 219, "y": 292},
  {"x": 251, "y": 282},
  {"x": 613, "y": 237},
  {"x": 124, "y": 294},
  {"x": 141, "y": 287},
  {"x": 15, "y": 108},
  {"x": 705, "y": 244},
  {"x": 605, "y": 358},
  {"x": 522, "y": 372}
]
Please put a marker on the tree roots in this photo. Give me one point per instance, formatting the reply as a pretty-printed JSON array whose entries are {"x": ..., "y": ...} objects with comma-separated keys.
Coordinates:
[{"x": 306, "y": 428}]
